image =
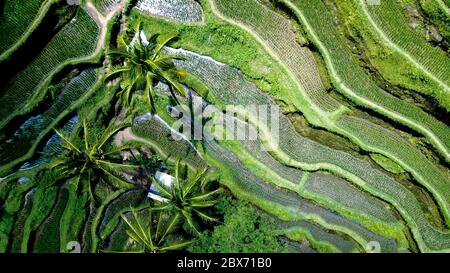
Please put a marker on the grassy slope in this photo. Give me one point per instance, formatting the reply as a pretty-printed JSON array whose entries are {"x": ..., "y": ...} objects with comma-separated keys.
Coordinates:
[
  {"x": 344, "y": 71},
  {"x": 390, "y": 23},
  {"x": 310, "y": 156},
  {"x": 394, "y": 67},
  {"x": 24, "y": 142},
  {"x": 228, "y": 45},
  {"x": 18, "y": 21},
  {"x": 209, "y": 41},
  {"x": 29, "y": 86},
  {"x": 379, "y": 137}
]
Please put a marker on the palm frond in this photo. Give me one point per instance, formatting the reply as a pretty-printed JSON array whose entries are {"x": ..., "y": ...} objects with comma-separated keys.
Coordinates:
[
  {"x": 110, "y": 131},
  {"x": 188, "y": 217},
  {"x": 163, "y": 43},
  {"x": 121, "y": 44},
  {"x": 175, "y": 246},
  {"x": 137, "y": 231},
  {"x": 167, "y": 60},
  {"x": 206, "y": 217},
  {"x": 118, "y": 166},
  {"x": 116, "y": 181},
  {"x": 89, "y": 186},
  {"x": 126, "y": 95},
  {"x": 172, "y": 223},
  {"x": 164, "y": 191},
  {"x": 86, "y": 135},
  {"x": 66, "y": 140},
  {"x": 193, "y": 182},
  {"x": 116, "y": 70},
  {"x": 206, "y": 196},
  {"x": 159, "y": 224},
  {"x": 150, "y": 92},
  {"x": 203, "y": 204},
  {"x": 163, "y": 207}
]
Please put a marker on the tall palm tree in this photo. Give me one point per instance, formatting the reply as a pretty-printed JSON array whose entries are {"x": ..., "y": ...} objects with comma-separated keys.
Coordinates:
[
  {"x": 91, "y": 158},
  {"x": 188, "y": 197},
  {"x": 150, "y": 234},
  {"x": 143, "y": 64}
]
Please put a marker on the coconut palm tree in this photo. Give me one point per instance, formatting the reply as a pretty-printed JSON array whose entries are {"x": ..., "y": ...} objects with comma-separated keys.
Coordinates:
[
  {"x": 143, "y": 64},
  {"x": 91, "y": 157},
  {"x": 188, "y": 197},
  {"x": 150, "y": 232}
]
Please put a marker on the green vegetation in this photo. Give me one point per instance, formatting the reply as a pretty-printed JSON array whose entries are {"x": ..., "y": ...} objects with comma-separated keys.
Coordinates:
[
  {"x": 387, "y": 164},
  {"x": 30, "y": 85},
  {"x": 132, "y": 199},
  {"x": 89, "y": 160},
  {"x": 439, "y": 15},
  {"x": 390, "y": 23},
  {"x": 188, "y": 198},
  {"x": 286, "y": 206},
  {"x": 353, "y": 82},
  {"x": 381, "y": 143},
  {"x": 312, "y": 156},
  {"x": 144, "y": 65},
  {"x": 153, "y": 132},
  {"x": 151, "y": 236},
  {"x": 23, "y": 144},
  {"x": 43, "y": 199},
  {"x": 271, "y": 28},
  {"x": 244, "y": 230},
  {"x": 185, "y": 204},
  {"x": 186, "y": 11},
  {"x": 18, "y": 21},
  {"x": 320, "y": 238},
  {"x": 245, "y": 185},
  {"x": 74, "y": 214},
  {"x": 104, "y": 148},
  {"x": 104, "y": 6},
  {"x": 48, "y": 235},
  {"x": 392, "y": 65}
]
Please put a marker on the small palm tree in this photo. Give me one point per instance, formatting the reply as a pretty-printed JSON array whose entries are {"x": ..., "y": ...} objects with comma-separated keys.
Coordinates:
[
  {"x": 91, "y": 158},
  {"x": 144, "y": 64},
  {"x": 188, "y": 198},
  {"x": 150, "y": 234}
]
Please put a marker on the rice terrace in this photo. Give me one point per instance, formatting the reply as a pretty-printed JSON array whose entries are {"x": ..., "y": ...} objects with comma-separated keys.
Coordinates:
[{"x": 225, "y": 126}]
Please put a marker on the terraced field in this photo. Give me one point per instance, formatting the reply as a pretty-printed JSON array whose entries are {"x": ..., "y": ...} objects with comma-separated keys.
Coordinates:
[
  {"x": 355, "y": 84},
  {"x": 293, "y": 149},
  {"x": 374, "y": 144},
  {"x": 28, "y": 87},
  {"x": 286, "y": 109},
  {"x": 106, "y": 6},
  {"x": 286, "y": 206},
  {"x": 178, "y": 10},
  {"x": 22, "y": 145},
  {"x": 18, "y": 21},
  {"x": 387, "y": 19}
]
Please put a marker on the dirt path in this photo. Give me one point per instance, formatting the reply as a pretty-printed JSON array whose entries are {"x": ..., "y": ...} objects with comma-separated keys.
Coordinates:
[
  {"x": 102, "y": 21},
  {"x": 123, "y": 137}
]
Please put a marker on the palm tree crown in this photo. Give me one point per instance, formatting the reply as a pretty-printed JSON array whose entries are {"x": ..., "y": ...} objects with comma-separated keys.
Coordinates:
[
  {"x": 151, "y": 229},
  {"x": 188, "y": 197},
  {"x": 143, "y": 64},
  {"x": 90, "y": 157}
]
